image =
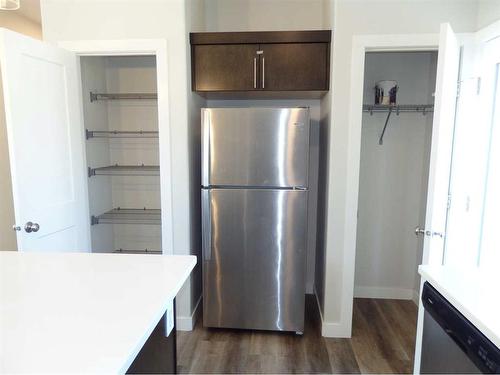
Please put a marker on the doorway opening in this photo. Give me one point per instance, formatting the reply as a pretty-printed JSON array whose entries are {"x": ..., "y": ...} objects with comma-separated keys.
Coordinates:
[
  {"x": 393, "y": 176},
  {"x": 121, "y": 121}
]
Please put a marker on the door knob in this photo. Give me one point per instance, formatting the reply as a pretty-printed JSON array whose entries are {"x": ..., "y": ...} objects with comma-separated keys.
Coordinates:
[
  {"x": 31, "y": 227},
  {"x": 16, "y": 227},
  {"x": 419, "y": 231}
]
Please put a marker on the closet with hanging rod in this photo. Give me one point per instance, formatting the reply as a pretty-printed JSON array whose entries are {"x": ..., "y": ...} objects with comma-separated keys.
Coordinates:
[
  {"x": 397, "y": 122},
  {"x": 122, "y": 147}
]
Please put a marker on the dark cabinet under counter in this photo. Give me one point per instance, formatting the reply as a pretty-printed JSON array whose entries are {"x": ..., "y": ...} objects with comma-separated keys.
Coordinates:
[{"x": 261, "y": 64}]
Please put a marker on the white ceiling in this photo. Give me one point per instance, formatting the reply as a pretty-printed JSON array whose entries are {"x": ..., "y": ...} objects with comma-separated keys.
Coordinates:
[{"x": 31, "y": 10}]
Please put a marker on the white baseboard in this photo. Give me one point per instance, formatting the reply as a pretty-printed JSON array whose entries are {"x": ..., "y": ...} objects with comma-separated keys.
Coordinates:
[
  {"x": 383, "y": 293},
  {"x": 335, "y": 329},
  {"x": 317, "y": 302},
  {"x": 331, "y": 329},
  {"x": 187, "y": 323},
  {"x": 310, "y": 288},
  {"x": 416, "y": 297}
]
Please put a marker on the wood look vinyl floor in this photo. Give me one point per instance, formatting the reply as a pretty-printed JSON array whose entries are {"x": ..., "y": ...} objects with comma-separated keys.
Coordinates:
[{"x": 383, "y": 341}]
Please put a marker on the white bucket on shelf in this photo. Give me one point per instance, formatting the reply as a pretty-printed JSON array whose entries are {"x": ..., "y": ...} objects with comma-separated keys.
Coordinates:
[{"x": 385, "y": 92}]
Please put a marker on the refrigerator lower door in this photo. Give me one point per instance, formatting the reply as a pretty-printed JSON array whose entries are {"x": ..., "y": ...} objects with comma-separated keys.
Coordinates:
[{"x": 254, "y": 258}]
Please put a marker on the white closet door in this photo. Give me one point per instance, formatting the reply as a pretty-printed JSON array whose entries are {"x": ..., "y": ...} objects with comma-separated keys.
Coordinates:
[
  {"x": 442, "y": 146},
  {"x": 41, "y": 86}
]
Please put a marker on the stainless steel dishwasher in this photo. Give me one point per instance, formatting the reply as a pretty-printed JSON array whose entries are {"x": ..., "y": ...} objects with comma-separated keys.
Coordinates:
[{"x": 450, "y": 343}]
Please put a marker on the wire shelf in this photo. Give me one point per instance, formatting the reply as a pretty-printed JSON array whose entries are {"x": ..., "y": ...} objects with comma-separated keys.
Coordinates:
[
  {"x": 397, "y": 109},
  {"x": 143, "y": 251},
  {"x": 121, "y": 134},
  {"x": 94, "y": 96},
  {"x": 125, "y": 170},
  {"x": 145, "y": 216}
]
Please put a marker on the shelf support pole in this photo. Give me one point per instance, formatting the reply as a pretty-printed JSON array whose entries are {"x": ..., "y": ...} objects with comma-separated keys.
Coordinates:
[{"x": 381, "y": 139}]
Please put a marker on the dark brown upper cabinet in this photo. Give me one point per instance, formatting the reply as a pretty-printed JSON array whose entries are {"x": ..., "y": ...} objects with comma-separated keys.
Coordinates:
[
  {"x": 261, "y": 64},
  {"x": 294, "y": 66},
  {"x": 225, "y": 67}
]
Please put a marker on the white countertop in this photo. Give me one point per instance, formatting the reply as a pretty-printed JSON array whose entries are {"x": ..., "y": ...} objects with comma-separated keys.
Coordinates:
[
  {"x": 82, "y": 312},
  {"x": 472, "y": 292}
]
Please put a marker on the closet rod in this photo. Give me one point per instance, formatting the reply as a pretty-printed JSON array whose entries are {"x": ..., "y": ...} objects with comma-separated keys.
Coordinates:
[{"x": 94, "y": 96}]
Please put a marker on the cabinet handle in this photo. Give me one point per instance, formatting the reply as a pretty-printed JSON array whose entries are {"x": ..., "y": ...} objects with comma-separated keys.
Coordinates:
[
  {"x": 255, "y": 72},
  {"x": 263, "y": 72}
]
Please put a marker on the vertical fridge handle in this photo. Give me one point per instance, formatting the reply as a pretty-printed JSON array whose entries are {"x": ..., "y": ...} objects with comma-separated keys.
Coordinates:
[
  {"x": 263, "y": 72},
  {"x": 255, "y": 72},
  {"x": 206, "y": 225},
  {"x": 205, "y": 147}
]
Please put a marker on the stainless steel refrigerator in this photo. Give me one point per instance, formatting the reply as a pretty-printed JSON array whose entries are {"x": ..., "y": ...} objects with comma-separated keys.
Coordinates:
[{"x": 254, "y": 217}]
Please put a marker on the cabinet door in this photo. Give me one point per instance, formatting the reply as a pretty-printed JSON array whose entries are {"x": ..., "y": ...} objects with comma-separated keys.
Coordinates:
[
  {"x": 294, "y": 66},
  {"x": 225, "y": 67}
]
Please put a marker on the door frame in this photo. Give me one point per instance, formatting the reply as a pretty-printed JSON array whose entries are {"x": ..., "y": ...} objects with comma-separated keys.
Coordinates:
[
  {"x": 144, "y": 47},
  {"x": 361, "y": 45}
]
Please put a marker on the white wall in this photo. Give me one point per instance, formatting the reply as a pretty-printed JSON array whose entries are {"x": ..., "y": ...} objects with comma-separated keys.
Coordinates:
[
  {"x": 323, "y": 167},
  {"x": 95, "y": 117},
  {"x": 15, "y": 22},
  {"x": 264, "y": 15},
  {"x": 8, "y": 239},
  {"x": 488, "y": 12},
  {"x": 393, "y": 178},
  {"x": 195, "y": 21},
  {"x": 356, "y": 17},
  {"x": 125, "y": 19},
  {"x": 12, "y": 21}
]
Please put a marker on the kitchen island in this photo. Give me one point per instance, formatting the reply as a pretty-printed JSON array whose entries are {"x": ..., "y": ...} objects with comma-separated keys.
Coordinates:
[{"x": 82, "y": 312}]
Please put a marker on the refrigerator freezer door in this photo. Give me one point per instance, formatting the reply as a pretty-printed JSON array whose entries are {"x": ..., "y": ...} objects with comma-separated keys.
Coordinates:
[
  {"x": 255, "y": 147},
  {"x": 254, "y": 276}
]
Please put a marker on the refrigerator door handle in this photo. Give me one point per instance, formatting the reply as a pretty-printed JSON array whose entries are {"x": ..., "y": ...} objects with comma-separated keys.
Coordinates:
[
  {"x": 206, "y": 225},
  {"x": 205, "y": 152}
]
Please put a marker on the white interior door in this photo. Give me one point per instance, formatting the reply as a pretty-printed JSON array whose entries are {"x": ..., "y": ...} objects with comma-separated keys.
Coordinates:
[
  {"x": 442, "y": 146},
  {"x": 41, "y": 86},
  {"x": 443, "y": 126}
]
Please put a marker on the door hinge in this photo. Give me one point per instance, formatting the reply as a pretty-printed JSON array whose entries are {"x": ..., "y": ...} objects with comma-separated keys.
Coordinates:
[
  {"x": 448, "y": 202},
  {"x": 478, "y": 90},
  {"x": 459, "y": 86}
]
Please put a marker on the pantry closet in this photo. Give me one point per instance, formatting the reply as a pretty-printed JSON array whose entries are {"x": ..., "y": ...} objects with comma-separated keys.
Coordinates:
[
  {"x": 122, "y": 148},
  {"x": 394, "y": 169}
]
